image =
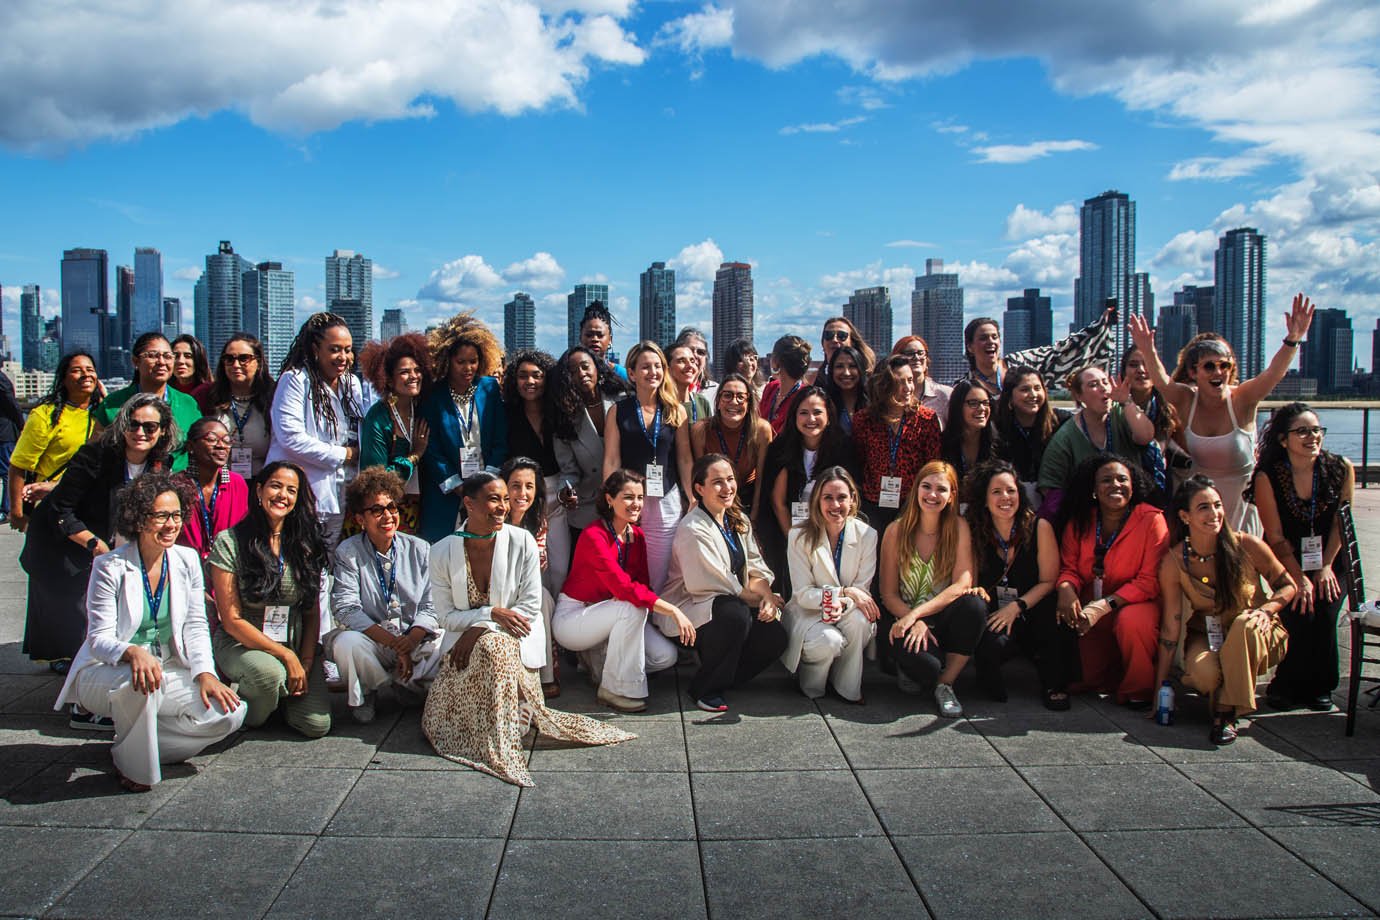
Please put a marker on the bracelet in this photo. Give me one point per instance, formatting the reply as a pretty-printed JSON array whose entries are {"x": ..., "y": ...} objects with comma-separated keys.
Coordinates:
[
  {"x": 1020, "y": 602},
  {"x": 1292, "y": 343}
]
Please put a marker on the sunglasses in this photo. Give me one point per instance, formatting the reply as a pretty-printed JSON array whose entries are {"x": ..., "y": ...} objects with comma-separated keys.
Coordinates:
[
  {"x": 238, "y": 359},
  {"x": 838, "y": 335},
  {"x": 1213, "y": 367},
  {"x": 146, "y": 427},
  {"x": 381, "y": 510}
]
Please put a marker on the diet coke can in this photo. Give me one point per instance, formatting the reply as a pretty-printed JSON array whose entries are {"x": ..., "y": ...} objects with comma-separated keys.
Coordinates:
[{"x": 829, "y": 604}]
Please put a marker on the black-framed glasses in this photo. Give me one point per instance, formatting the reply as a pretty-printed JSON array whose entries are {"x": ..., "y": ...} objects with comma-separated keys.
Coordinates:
[
  {"x": 837, "y": 335},
  {"x": 239, "y": 359},
  {"x": 1309, "y": 431},
  {"x": 146, "y": 427},
  {"x": 163, "y": 518},
  {"x": 381, "y": 510},
  {"x": 216, "y": 440},
  {"x": 915, "y": 353},
  {"x": 977, "y": 404}
]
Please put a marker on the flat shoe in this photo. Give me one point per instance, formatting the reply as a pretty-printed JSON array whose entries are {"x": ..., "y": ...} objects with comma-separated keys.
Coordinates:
[
  {"x": 129, "y": 785},
  {"x": 551, "y": 690},
  {"x": 1057, "y": 700},
  {"x": 620, "y": 703},
  {"x": 1321, "y": 703},
  {"x": 712, "y": 704},
  {"x": 1223, "y": 732}
]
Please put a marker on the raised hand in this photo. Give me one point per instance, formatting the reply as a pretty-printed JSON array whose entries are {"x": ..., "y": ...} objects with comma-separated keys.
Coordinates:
[
  {"x": 1142, "y": 336},
  {"x": 1299, "y": 318}
]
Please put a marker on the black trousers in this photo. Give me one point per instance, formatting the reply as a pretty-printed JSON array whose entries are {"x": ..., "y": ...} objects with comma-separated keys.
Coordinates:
[
  {"x": 958, "y": 627},
  {"x": 1312, "y": 665},
  {"x": 879, "y": 519},
  {"x": 734, "y": 647},
  {"x": 1040, "y": 635}
]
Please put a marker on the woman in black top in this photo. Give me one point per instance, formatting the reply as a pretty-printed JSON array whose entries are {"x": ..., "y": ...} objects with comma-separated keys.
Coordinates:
[
  {"x": 1017, "y": 562},
  {"x": 846, "y": 384},
  {"x": 529, "y": 399},
  {"x": 1298, "y": 490},
  {"x": 969, "y": 436},
  {"x": 1025, "y": 422}
]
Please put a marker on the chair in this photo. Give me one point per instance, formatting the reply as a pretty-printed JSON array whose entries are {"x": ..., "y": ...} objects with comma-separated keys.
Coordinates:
[{"x": 1365, "y": 619}]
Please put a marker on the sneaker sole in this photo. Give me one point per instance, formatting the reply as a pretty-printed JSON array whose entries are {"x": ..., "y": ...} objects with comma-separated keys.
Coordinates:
[
  {"x": 91, "y": 727},
  {"x": 705, "y": 707}
]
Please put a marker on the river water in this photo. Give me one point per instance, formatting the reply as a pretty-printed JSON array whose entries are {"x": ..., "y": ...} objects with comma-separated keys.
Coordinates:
[{"x": 1343, "y": 431}]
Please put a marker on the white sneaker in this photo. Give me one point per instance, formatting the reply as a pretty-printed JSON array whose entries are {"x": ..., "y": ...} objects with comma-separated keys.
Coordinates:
[{"x": 944, "y": 697}]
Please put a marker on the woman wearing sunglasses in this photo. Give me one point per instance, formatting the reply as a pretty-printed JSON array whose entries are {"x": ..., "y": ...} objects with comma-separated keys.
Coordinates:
[
  {"x": 1220, "y": 412},
  {"x": 241, "y": 396}
]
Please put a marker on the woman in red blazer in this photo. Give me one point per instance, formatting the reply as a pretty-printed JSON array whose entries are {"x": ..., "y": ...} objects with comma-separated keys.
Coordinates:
[{"x": 1111, "y": 543}]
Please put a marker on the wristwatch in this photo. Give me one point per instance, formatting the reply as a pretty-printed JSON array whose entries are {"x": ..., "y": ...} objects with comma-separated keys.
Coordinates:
[{"x": 92, "y": 544}]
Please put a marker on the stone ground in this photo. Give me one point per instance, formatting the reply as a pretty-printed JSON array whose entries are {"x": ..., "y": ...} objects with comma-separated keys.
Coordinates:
[{"x": 784, "y": 808}]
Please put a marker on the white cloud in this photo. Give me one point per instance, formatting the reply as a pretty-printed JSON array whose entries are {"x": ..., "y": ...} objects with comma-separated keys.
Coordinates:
[
  {"x": 540, "y": 272},
  {"x": 1186, "y": 248},
  {"x": 383, "y": 273},
  {"x": 1216, "y": 167},
  {"x": 308, "y": 303},
  {"x": 309, "y": 66},
  {"x": 1024, "y": 153},
  {"x": 1049, "y": 262},
  {"x": 824, "y": 127},
  {"x": 460, "y": 280},
  {"x": 189, "y": 273},
  {"x": 695, "y": 33},
  {"x": 1023, "y": 223},
  {"x": 867, "y": 98},
  {"x": 697, "y": 262},
  {"x": 908, "y": 244}
]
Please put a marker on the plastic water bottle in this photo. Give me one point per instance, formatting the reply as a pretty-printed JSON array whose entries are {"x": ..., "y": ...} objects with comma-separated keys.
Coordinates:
[{"x": 1164, "y": 706}]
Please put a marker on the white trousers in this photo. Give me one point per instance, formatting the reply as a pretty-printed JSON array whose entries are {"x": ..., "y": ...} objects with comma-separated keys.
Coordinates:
[
  {"x": 659, "y": 519},
  {"x": 835, "y": 650},
  {"x": 557, "y": 538},
  {"x": 632, "y": 646},
  {"x": 366, "y": 666},
  {"x": 165, "y": 726}
]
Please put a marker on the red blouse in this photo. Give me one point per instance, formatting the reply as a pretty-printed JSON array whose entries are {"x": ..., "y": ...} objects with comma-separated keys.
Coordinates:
[
  {"x": 1131, "y": 567},
  {"x": 595, "y": 574},
  {"x": 872, "y": 440},
  {"x": 771, "y": 393}
]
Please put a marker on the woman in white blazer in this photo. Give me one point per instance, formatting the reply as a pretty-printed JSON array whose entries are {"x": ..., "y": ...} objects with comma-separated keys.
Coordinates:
[
  {"x": 716, "y": 578},
  {"x": 486, "y": 589},
  {"x": 831, "y": 549},
  {"x": 146, "y": 662}
]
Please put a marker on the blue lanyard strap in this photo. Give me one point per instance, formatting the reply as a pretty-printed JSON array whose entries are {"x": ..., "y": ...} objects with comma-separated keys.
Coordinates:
[
  {"x": 240, "y": 422},
  {"x": 778, "y": 402},
  {"x": 895, "y": 445},
  {"x": 619, "y": 545},
  {"x": 654, "y": 432},
  {"x": 985, "y": 379},
  {"x": 1005, "y": 547},
  {"x": 208, "y": 513},
  {"x": 1107, "y": 444},
  {"x": 742, "y": 441},
  {"x": 1100, "y": 549},
  {"x": 154, "y": 597},
  {"x": 466, "y": 424},
  {"x": 386, "y": 585},
  {"x": 729, "y": 538},
  {"x": 838, "y": 553}
]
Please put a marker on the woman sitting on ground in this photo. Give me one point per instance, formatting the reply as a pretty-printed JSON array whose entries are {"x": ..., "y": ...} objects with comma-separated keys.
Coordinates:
[
  {"x": 149, "y": 666},
  {"x": 1233, "y": 636}
]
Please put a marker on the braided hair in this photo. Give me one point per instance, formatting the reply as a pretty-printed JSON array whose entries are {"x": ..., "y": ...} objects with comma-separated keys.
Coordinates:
[{"x": 302, "y": 356}]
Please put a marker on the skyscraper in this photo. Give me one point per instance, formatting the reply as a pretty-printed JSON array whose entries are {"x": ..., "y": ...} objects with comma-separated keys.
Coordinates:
[
  {"x": 146, "y": 313},
  {"x": 172, "y": 316},
  {"x": 200, "y": 304},
  {"x": 732, "y": 312},
  {"x": 870, "y": 310},
  {"x": 1239, "y": 311},
  {"x": 519, "y": 323},
  {"x": 119, "y": 339},
  {"x": 1107, "y": 262},
  {"x": 1028, "y": 322},
  {"x": 1177, "y": 324},
  {"x": 31, "y": 325},
  {"x": 269, "y": 303},
  {"x": 86, "y": 303},
  {"x": 392, "y": 325},
  {"x": 1327, "y": 351},
  {"x": 1201, "y": 298},
  {"x": 350, "y": 292},
  {"x": 936, "y": 315},
  {"x": 575, "y": 304},
  {"x": 223, "y": 282},
  {"x": 656, "y": 306}
]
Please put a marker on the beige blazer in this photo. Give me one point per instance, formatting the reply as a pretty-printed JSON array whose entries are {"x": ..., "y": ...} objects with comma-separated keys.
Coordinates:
[
  {"x": 812, "y": 570},
  {"x": 514, "y": 582},
  {"x": 701, "y": 569},
  {"x": 582, "y": 462}
]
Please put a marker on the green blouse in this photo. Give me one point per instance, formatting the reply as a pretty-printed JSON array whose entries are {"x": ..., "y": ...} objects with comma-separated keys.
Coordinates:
[
  {"x": 225, "y": 554},
  {"x": 381, "y": 445}
]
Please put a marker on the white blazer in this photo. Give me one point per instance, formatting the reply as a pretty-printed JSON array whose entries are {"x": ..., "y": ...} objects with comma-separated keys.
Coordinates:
[
  {"x": 701, "y": 569},
  {"x": 115, "y": 609},
  {"x": 812, "y": 570},
  {"x": 301, "y": 438},
  {"x": 582, "y": 462},
  {"x": 514, "y": 582}
]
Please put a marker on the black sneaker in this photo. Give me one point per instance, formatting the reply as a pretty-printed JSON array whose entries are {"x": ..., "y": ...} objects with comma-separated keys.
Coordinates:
[
  {"x": 85, "y": 721},
  {"x": 1321, "y": 703}
]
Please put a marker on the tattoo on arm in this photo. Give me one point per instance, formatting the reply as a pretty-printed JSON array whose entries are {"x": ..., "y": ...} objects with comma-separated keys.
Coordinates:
[{"x": 1169, "y": 643}]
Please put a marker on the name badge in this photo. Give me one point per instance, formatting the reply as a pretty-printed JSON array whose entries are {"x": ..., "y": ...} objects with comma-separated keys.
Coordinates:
[
  {"x": 655, "y": 487},
  {"x": 471, "y": 462},
  {"x": 1312, "y": 554},
  {"x": 799, "y": 512},
  {"x": 891, "y": 492},
  {"x": 1097, "y": 587},
  {"x": 413, "y": 487},
  {"x": 1006, "y": 595},
  {"x": 393, "y": 625},
  {"x": 242, "y": 462},
  {"x": 276, "y": 623},
  {"x": 1214, "y": 632}
]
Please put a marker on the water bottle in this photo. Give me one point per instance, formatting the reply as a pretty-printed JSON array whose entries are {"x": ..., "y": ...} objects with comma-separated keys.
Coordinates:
[{"x": 1164, "y": 707}]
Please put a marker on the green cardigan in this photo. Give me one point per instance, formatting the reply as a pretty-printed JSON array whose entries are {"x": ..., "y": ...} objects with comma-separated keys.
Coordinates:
[{"x": 380, "y": 446}]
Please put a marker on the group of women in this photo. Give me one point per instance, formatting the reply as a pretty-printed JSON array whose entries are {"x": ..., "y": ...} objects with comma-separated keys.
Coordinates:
[{"x": 434, "y": 522}]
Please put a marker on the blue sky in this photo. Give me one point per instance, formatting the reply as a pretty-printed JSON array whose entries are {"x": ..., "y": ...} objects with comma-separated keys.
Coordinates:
[{"x": 472, "y": 148}]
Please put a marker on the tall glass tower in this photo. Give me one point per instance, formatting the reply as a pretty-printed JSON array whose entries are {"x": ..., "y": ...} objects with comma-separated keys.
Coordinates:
[
  {"x": 269, "y": 303},
  {"x": 146, "y": 308},
  {"x": 86, "y": 304},
  {"x": 224, "y": 286},
  {"x": 575, "y": 304},
  {"x": 733, "y": 310},
  {"x": 350, "y": 292},
  {"x": 519, "y": 323},
  {"x": 1239, "y": 307},
  {"x": 870, "y": 310},
  {"x": 936, "y": 315},
  {"x": 1107, "y": 262},
  {"x": 656, "y": 305}
]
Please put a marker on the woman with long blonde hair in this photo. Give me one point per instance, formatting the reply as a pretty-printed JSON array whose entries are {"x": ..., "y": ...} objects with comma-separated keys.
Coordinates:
[{"x": 927, "y": 585}]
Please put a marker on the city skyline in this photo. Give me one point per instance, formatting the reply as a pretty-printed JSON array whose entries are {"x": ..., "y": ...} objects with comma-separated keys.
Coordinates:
[{"x": 697, "y": 133}]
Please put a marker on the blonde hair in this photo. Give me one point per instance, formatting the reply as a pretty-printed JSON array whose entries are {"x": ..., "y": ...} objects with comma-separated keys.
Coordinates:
[
  {"x": 672, "y": 411},
  {"x": 908, "y": 524},
  {"x": 812, "y": 529}
]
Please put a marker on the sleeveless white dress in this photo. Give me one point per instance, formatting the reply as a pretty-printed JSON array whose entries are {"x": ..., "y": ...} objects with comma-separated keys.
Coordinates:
[{"x": 1229, "y": 461}]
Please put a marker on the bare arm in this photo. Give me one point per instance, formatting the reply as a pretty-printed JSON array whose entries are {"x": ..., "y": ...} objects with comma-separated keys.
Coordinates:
[
  {"x": 778, "y": 502},
  {"x": 685, "y": 462},
  {"x": 1249, "y": 393},
  {"x": 613, "y": 444},
  {"x": 1171, "y": 618}
]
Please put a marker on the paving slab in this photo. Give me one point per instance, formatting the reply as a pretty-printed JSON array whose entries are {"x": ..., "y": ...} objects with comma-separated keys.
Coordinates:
[
  {"x": 391, "y": 877},
  {"x": 45, "y": 738},
  {"x": 179, "y": 874},
  {"x": 771, "y": 805},
  {"x": 257, "y": 799},
  {"x": 1366, "y": 771},
  {"x": 659, "y": 746},
  {"x": 664, "y": 698},
  {"x": 599, "y": 879},
  {"x": 421, "y": 803},
  {"x": 801, "y": 742},
  {"x": 1074, "y": 737},
  {"x": 1283, "y": 794},
  {"x": 1346, "y": 855},
  {"x": 74, "y": 795},
  {"x": 1141, "y": 796},
  {"x": 890, "y": 737},
  {"x": 1220, "y": 873},
  {"x": 39, "y": 864},
  {"x": 862, "y": 877},
  {"x": 406, "y": 748},
  {"x": 955, "y": 801},
  {"x": 605, "y": 806},
  {"x": 1324, "y": 734},
  {"x": 1015, "y": 875},
  {"x": 1186, "y": 741},
  {"x": 349, "y": 743}
]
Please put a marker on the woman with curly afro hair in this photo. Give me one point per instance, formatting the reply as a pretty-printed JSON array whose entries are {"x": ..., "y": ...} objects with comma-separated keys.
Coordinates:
[{"x": 394, "y": 436}]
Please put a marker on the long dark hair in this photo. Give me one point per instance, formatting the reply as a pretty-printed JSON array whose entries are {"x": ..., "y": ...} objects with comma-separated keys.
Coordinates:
[
  {"x": 734, "y": 354},
  {"x": 1275, "y": 435},
  {"x": 565, "y": 393},
  {"x": 1046, "y": 421},
  {"x": 1158, "y": 409},
  {"x": 302, "y": 356},
  {"x": 57, "y": 396},
  {"x": 535, "y": 519},
  {"x": 833, "y": 394},
  {"x": 303, "y": 547},
  {"x": 952, "y": 439},
  {"x": 970, "y": 330},
  {"x": 1233, "y": 587},
  {"x": 789, "y": 447},
  {"x": 261, "y": 385},
  {"x": 512, "y": 400},
  {"x": 980, "y": 518},
  {"x": 1079, "y": 505},
  {"x": 612, "y": 486},
  {"x": 201, "y": 367},
  {"x": 140, "y": 344},
  {"x": 734, "y": 517}
]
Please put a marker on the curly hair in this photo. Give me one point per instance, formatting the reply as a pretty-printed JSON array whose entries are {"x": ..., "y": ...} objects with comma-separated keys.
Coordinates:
[
  {"x": 261, "y": 385},
  {"x": 568, "y": 403},
  {"x": 134, "y": 501},
  {"x": 1080, "y": 504},
  {"x": 302, "y": 356},
  {"x": 168, "y": 441},
  {"x": 379, "y": 360},
  {"x": 464, "y": 329},
  {"x": 979, "y": 517},
  {"x": 544, "y": 363},
  {"x": 371, "y": 481},
  {"x": 304, "y": 548}
]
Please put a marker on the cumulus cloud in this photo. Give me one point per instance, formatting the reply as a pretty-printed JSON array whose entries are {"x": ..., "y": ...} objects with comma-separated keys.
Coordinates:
[
  {"x": 1023, "y": 223},
  {"x": 698, "y": 261},
  {"x": 824, "y": 127},
  {"x": 1024, "y": 153},
  {"x": 709, "y": 28},
  {"x": 460, "y": 280},
  {"x": 318, "y": 66},
  {"x": 540, "y": 272},
  {"x": 383, "y": 273}
]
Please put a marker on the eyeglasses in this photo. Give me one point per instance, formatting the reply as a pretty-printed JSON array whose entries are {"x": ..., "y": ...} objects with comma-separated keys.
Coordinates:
[
  {"x": 729, "y": 396},
  {"x": 1314, "y": 431},
  {"x": 977, "y": 404},
  {"x": 912, "y": 355},
  {"x": 162, "y": 518},
  {"x": 146, "y": 427},
  {"x": 157, "y": 355},
  {"x": 700, "y": 352},
  {"x": 216, "y": 440},
  {"x": 238, "y": 359},
  {"x": 1213, "y": 367},
  {"x": 838, "y": 335},
  {"x": 381, "y": 510}
]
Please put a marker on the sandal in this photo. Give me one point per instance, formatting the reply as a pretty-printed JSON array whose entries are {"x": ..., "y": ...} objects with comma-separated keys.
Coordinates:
[
  {"x": 129, "y": 785},
  {"x": 1057, "y": 700},
  {"x": 1223, "y": 729}
]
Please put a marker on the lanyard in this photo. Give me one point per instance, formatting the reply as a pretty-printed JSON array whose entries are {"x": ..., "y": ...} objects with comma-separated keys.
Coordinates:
[
  {"x": 240, "y": 421},
  {"x": 654, "y": 432},
  {"x": 694, "y": 409},
  {"x": 985, "y": 379},
  {"x": 208, "y": 513},
  {"x": 1005, "y": 547},
  {"x": 742, "y": 440},
  {"x": 1100, "y": 549},
  {"x": 729, "y": 538},
  {"x": 398, "y": 425},
  {"x": 838, "y": 553},
  {"x": 778, "y": 402},
  {"x": 386, "y": 585},
  {"x": 620, "y": 546},
  {"x": 1107, "y": 444},
  {"x": 895, "y": 436},
  {"x": 154, "y": 597},
  {"x": 466, "y": 424}
]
